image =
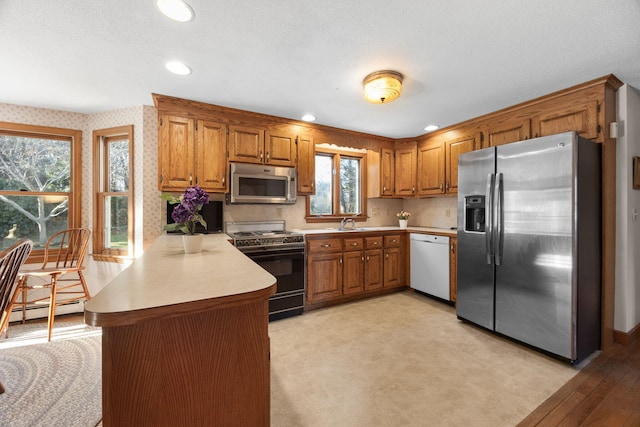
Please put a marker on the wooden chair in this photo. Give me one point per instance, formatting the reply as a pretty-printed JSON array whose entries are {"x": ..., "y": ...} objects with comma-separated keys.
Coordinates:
[
  {"x": 63, "y": 255},
  {"x": 10, "y": 262}
]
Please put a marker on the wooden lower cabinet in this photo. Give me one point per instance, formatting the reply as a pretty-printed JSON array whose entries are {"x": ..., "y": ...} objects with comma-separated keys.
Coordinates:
[
  {"x": 343, "y": 268},
  {"x": 324, "y": 276}
]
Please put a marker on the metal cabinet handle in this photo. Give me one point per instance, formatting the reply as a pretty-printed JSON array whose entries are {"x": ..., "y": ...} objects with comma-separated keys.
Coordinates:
[
  {"x": 261, "y": 155},
  {"x": 394, "y": 241},
  {"x": 386, "y": 256},
  {"x": 375, "y": 243},
  {"x": 325, "y": 246},
  {"x": 190, "y": 179},
  {"x": 353, "y": 244},
  {"x": 413, "y": 189},
  {"x": 442, "y": 186},
  {"x": 268, "y": 156},
  {"x": 223, "y": 180}
]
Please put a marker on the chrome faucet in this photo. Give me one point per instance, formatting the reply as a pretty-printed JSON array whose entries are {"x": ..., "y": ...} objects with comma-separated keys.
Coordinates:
[{"x": 345, "y": 221}]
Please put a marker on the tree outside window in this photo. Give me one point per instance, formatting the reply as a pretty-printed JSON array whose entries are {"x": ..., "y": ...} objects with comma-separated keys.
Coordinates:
[{"x": 37, "y": 196}]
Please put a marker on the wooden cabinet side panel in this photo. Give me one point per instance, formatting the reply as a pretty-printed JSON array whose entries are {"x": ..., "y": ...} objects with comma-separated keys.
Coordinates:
[
  {"x": 202, "y": 369},
  {"x": 211, "y": 156}
]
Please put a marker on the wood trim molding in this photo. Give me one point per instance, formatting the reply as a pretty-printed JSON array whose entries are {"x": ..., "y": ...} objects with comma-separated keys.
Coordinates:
[{"x": 627, "y": 338}]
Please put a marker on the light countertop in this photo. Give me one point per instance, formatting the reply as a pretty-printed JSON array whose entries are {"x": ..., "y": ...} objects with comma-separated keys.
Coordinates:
[
  {"x": 410, "y": 229},
  {"x": 165, "y": 281}
]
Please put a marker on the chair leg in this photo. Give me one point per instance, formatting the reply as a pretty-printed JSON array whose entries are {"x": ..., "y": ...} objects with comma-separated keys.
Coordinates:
[
  {"x": 19, "y": 290},
  {"x": 52, "y": 305},
  {"x": 22, "y": 287},
  {"x": 84, "y": 285}
]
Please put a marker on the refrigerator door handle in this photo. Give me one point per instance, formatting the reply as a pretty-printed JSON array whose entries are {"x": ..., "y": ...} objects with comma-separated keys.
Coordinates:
[
  {"x": 499, "y": 242},
  {"x": 488, "y": 235}
]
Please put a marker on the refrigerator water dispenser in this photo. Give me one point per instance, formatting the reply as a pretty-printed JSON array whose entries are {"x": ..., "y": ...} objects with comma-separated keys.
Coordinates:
[{"x": 474, "y": 213}]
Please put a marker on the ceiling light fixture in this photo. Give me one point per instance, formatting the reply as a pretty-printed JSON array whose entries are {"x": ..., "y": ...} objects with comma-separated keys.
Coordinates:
[
  {"x": 431, "y": 127},
  {"x": 177, "y": 10},
  {"x": 308, "y": 118},
  {"x": 382, "y": 86},
  {"x": 178, "y": 68}
]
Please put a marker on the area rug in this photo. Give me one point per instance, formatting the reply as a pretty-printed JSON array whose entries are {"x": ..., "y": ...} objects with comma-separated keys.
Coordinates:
[{"x": 55, "y": 383}]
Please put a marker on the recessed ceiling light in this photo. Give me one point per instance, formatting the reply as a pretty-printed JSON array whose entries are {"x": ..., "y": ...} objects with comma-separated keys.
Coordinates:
[
  {"x": 431, "y": 127},
  {"x": 308, "y": 117},
  {"x": 178, "y": 68},
  {"x": 177, "y": 10}
]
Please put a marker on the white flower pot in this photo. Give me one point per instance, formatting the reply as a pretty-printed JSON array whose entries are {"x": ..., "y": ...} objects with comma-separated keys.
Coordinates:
[
  {"x": 192, "y": 243},
  {"x": 403, "y": 223}
]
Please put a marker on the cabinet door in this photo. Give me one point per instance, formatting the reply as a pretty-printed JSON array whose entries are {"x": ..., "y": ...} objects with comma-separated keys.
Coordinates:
[
  {"x": 280, "y": 149},
  {"x": 176, "y": 153},
  {"x": 507, "y": 132},
  {"x": 453, "y": 149},
  {"x": 373, "y": 269},
  {"x": 405, "y": 172},
  {"x": 246, "y": 144},
  {"x": 211, "y": 156},
  {"x": 392, "y": 264},
  {"x": 306, "y": 159},
  {"x": 324, "y": 276},
  {"x": 387, "y": 169},
  {"x": 453, "y": 268},
  {"x": 353, "y": 270},
  {"x": 580, "y": 117},
  {"x": 431, "y": 169}
]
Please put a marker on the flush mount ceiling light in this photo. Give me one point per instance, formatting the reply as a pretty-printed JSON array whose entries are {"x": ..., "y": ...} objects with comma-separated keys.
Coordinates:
[
  {"x": 308, "y": 117},
  {"x": 430, "y": 128},
  {"x": 178, "y": 68},
  {"x": 382, "y": 86},
  {"x": 177, "y": 10}
]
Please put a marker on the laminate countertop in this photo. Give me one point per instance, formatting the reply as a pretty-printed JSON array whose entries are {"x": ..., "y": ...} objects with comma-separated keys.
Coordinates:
[{"x": 166, "y": 282}]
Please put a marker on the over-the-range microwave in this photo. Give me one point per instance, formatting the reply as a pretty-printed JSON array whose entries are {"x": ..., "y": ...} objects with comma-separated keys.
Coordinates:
[{"x": 261, "y": 184}]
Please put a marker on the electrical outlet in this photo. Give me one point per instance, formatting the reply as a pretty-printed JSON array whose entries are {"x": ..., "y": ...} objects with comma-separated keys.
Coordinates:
[
  {"x": 375, "y": 212},
  {"x": 278, "y": 212},
  {"x": 447, "y": 213}
]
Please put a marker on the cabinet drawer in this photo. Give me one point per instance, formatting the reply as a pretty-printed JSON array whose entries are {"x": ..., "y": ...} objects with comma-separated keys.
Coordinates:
[
  {"x": 325, "y": 245},
  {"x": 392, "y": 241},
  {"x": 373, "y": 242},
  {"x": 353, "y": 244}
]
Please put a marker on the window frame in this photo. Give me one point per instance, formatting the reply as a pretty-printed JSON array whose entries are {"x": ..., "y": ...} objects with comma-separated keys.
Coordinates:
[
  {"x": 101, "y": 139},
  {"x": 74, "y": 136},
  {"x": 336, "y": 154}
]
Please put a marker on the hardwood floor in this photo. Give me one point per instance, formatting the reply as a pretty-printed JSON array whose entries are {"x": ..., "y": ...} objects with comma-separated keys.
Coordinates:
[{"x": 606, "y": 392}]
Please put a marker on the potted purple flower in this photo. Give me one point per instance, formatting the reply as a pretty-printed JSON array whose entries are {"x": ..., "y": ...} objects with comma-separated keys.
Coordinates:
[{"x": 187, "y": 214}]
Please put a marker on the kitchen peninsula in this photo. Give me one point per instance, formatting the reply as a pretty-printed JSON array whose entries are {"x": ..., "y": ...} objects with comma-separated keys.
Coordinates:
[{"x": 185, "y": 338}]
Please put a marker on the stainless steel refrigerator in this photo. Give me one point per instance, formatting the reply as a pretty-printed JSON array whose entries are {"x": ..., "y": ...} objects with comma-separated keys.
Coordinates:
[{"x": 529, "y": 243}]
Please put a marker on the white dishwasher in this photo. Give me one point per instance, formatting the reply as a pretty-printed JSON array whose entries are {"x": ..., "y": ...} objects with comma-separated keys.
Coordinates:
[{"x": 430, "y": 264}]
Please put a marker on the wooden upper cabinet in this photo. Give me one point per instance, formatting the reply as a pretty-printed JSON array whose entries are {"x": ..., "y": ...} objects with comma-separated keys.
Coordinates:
[
  {"x": 176, "y": 153},
  {"x": 306, "y": 164},
  {"x": 387, "y": 172},
  {"x": 192, "y": 152},
  {"x": 211, "y": 156},
  {"x": 580, "y": 116},
  {"x": 506, "y": 132},
  {"x": 453, "y": 149},
  {"x": 405, "y": 169},
  {"x": 431, "y": 168},
  {"x": 246, "y": 144},
  {"x": 280, "y": 149}
]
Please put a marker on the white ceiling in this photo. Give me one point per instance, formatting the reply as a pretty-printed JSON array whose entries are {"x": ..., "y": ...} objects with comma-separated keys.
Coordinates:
[{"x": 460, "y": 58}]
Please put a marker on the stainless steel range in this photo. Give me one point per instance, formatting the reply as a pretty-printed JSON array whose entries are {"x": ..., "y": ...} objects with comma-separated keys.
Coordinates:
[{"x": 281, "y": 253}]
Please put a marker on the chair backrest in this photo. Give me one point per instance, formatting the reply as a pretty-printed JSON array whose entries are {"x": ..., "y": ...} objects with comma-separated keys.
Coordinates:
[
  {"x": 10, "y": 262},
  {"x": 67, "y": 248}
]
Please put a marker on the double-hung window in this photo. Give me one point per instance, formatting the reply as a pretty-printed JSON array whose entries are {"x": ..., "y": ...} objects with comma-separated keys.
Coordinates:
[
  {"x": 113, "y": 189},
  {"x": 340, "y": 185},
  {"x": 39, "y": 183}
]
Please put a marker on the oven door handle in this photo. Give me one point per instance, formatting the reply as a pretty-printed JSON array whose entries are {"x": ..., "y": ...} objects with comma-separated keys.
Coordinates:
[{"x": 275, "y": 254}]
